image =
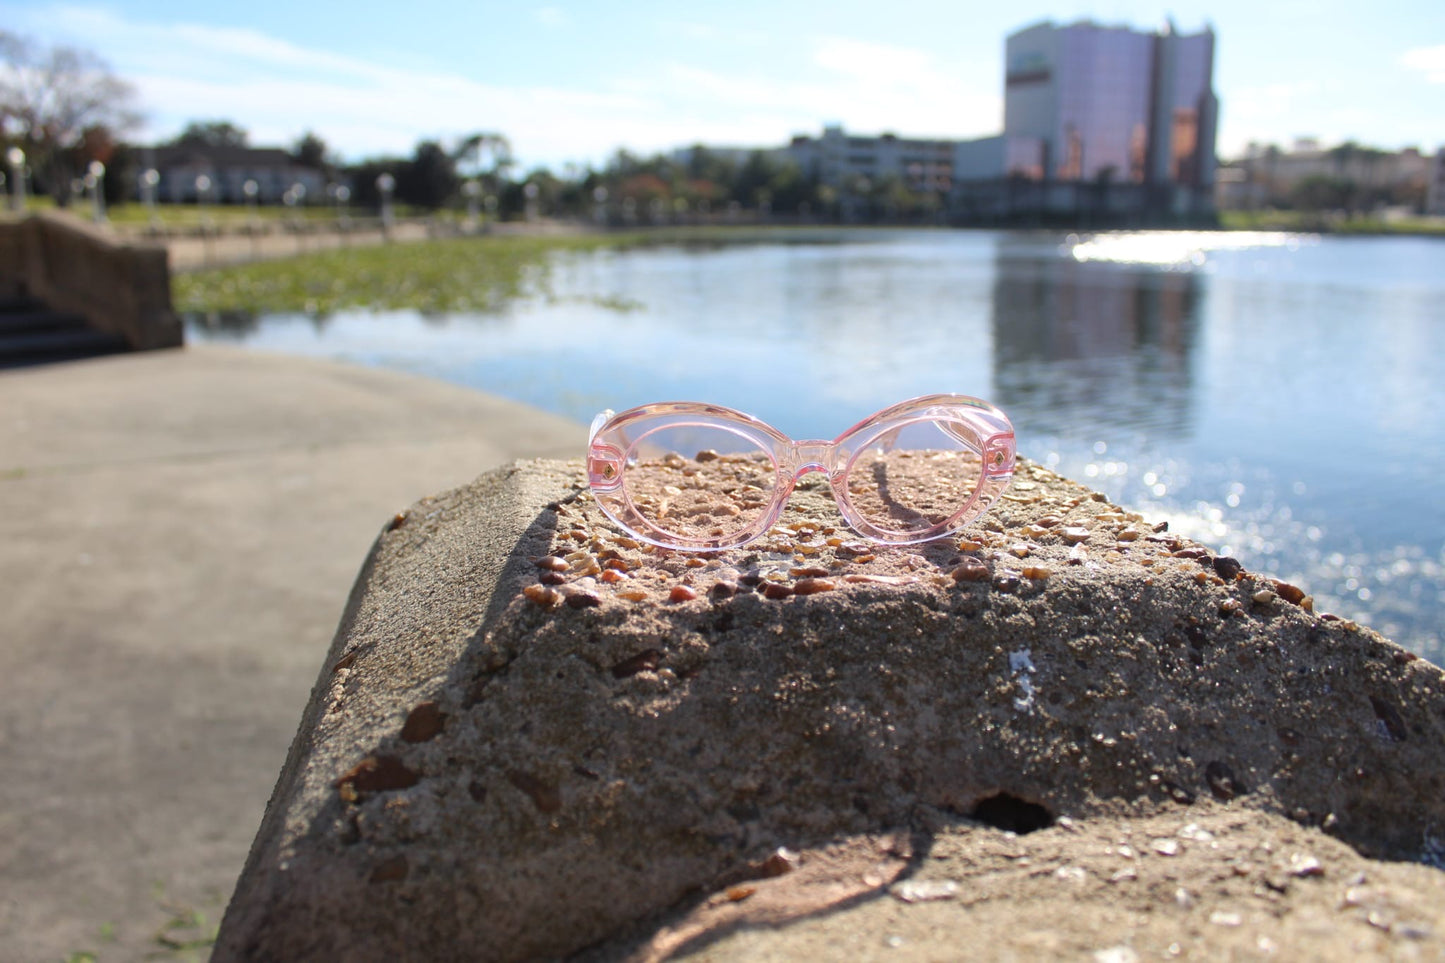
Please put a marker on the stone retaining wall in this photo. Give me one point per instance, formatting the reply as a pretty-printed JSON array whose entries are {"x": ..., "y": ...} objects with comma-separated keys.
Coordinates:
[{"x": 119, "y": 287}]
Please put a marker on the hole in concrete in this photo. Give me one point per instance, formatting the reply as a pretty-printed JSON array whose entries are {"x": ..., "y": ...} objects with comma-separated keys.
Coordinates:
[{"x": 1010, "y": 813}]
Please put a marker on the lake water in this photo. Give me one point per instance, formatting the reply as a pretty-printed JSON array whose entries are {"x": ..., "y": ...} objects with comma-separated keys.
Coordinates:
[{"x": 1280, "y": 398}]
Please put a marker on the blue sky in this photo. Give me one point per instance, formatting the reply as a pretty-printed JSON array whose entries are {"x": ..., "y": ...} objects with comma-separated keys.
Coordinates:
[{"x": 571, "y": 81}]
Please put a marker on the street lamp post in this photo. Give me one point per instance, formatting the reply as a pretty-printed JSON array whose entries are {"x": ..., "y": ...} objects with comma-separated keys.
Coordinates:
[
  {"x": 15, "y": 157},
  {"x": 203, "y": 187},
  {"x": 251, "y": 190},
  {"x": 473, "y": 192},
  {"x": 386, "y": 184},
  {"x": 343, "y": 208},
  {"x": 150, "y": 179},
  {"x": 531, "y": 191},
  {"x": 95, "y": 183}
]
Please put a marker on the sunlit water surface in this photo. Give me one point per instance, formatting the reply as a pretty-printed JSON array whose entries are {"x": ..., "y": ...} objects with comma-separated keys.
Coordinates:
[{"x": 1277, "y": 397}]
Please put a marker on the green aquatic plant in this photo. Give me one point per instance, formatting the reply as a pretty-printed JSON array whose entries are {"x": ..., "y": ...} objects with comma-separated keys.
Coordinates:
[{"x": 478, "y": 274}]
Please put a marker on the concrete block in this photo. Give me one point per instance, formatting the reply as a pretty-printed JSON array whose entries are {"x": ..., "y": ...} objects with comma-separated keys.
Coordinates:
[{"x": 510, "y": 754}]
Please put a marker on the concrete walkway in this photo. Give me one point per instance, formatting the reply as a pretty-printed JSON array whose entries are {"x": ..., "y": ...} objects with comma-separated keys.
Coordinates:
[{"x": 181, "y": 530}]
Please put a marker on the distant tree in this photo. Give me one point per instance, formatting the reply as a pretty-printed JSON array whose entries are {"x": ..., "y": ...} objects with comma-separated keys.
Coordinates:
[
  {"x": 311, "y": 151},
  {"x": 50, "y": 97},
  {"x": 752, "y": 184},
  {"x": 790, "y": 191},
  {"x": 98, "y": 143},
  {"x": 1321, "y": 192},
  {"x": 362, "y": 177},
  {"x": 212, "y": 133},
  {"x": 430, "y": 179},
  {"x": 473, "y": 151}
]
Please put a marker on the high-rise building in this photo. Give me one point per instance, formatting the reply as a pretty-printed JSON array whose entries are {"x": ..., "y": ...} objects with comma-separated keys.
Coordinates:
[
  {"x": 1092, "y": 102},
  {"x": 1088, "y": 104}
]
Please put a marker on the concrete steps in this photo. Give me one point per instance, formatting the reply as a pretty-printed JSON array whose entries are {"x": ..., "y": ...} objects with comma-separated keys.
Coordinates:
[{"x": 31, "y": 333}]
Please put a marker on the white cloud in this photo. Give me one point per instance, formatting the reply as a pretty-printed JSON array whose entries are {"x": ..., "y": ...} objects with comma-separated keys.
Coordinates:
[
  {"x": 1429, "y": 61},
  {"x": 277, "y": 89},
  {"x": 867, "y": 87}
]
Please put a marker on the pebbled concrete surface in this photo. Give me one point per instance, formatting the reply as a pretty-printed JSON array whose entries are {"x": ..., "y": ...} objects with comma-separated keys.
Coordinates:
[{"x": 510, "y": 754}]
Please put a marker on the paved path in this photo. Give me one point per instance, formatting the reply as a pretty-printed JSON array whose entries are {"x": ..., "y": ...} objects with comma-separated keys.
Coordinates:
[{"x": 180, "y": 532}]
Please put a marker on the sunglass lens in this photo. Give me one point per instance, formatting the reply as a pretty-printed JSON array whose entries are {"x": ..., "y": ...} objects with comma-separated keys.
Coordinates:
[
  {"x": 699, "y": 483},
  {"x": 913, "y": 478}
]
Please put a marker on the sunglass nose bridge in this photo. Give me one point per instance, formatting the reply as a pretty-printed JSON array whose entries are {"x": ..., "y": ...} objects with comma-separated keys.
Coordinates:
[{"x": 811, "y": 456}]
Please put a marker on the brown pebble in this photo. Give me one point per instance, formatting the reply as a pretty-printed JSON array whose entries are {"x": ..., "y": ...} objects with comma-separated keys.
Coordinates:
[
  {"x": 543, "y": 595},
  {"x": 1006, "y": 583},
  {"x": 809, "y": 571},
  {"x": 620, "y": 564},
  {"x": 389, "y": 870},
  {"x": 970, "y": 570},
  {"x": 423, "y": 722},
  {"x": 583, "y": 599},
  {"x": 705, "y": 456},
  {"x": 682, "y": 593},
  {"x": 723, "y": 590},
  {"x": 345, "y": 662},
  {"x": 1074, "y": 534},
  {"x": 776, "y": 590},
  {"x": 551, "y": 563},
  {"x": 378, "y": 774},
  {"x": 1230, "y": 607},
  {"x": 1227, "y": 567},
  {"x": 737, "y": 894},
  {"x": 812, "y": 586},
  {"x": 863, "y": 558},
  {"x": 398, "y": 520},
  {"x": 633, "y": 595},
  {"x": 780, "y": 863},
  {"x": 694, "y": 563},
  {"x": 552, "y": 578},
  {"x": 643, "y": 662},
  {"x": 1036, "y": 572},
  {"x": 1292, "y": 594},
  {"x": 611, "y": 576},
  {"x": 545, "y": 795}
]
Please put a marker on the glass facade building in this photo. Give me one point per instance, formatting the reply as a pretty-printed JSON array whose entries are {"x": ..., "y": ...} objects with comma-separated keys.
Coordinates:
[{"x": 1085, "y": 102}]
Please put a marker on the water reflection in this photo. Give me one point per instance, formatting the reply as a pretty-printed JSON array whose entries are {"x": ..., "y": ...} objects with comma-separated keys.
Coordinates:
[{"x": 1102, "y": 345}]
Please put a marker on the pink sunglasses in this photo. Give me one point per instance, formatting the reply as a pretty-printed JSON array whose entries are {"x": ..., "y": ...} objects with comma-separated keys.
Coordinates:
[{"x": 912, "y": 472}]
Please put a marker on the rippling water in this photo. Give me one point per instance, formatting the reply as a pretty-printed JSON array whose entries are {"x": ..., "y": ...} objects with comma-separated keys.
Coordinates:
[{"x": 1277, "y": 397}]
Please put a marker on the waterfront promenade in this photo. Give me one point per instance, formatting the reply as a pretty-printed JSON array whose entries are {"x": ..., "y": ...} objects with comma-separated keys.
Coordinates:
[{"x": 182, "y": 531}]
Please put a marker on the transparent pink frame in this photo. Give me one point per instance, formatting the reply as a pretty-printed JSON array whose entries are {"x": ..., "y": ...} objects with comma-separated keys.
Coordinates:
[{"x": 975, "y": 424}]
